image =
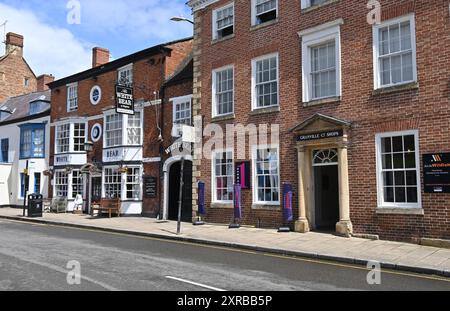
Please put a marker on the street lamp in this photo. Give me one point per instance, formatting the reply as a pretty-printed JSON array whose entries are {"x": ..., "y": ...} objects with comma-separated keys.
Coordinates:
[
  {"x": 88, "y": 146},
  {"x": 181, "y": 19}
]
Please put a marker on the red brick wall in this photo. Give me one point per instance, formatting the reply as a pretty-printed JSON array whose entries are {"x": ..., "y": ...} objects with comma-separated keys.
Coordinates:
[
  {"x": 426, "y": 108},
  {"x": 179, "y": 53}
]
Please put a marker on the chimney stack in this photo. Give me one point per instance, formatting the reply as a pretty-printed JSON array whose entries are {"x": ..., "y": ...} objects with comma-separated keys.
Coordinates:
[
  {"x": 14, "y": 44},
  {"x": 100, "y": 56},
  {"x": 42, "y": 82}
]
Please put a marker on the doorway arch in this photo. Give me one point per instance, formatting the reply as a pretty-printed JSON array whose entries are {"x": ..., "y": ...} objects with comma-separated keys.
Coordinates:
[{"x": 166, "y": 169}]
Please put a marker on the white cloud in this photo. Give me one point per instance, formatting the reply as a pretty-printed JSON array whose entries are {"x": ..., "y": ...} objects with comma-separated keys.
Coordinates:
[{"x": 48, "y": 49}]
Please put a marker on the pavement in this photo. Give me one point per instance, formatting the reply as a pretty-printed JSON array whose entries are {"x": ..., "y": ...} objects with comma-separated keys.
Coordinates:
[
  {"x": 37, "y": 257},
  {"x": 391, "y": 255}
]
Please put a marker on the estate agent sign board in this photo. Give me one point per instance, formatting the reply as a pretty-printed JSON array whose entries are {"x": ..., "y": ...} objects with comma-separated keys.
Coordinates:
[{"x": 437, "y": 172}]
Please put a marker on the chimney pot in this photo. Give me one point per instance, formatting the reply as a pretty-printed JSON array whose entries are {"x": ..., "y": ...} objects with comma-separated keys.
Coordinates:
[
  {"x": 100, "y": 56},
  {"x": 14, "y": 43},
  {"x": 42, "y": 82}
]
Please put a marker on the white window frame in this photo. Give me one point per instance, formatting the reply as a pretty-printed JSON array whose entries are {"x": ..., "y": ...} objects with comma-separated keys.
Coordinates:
[
  {"x": 214, "y": 20},
  {"x": 380, "y": 184},
  {"x": 105, "y": 131},
  {"x": 376, "y": 46},
  {"x": 71, "y": 125},
  {"x": 177, "y": 101},
  {"x": 254, "y": 21},
  {"x": 124, "y": 130},
  {"x": 73, "y": 137},
  {"x": 69, "y": 98},
  {"x": 57, "y": 145},
  {"x": 138, "y": 183},
  {"x": 129, "y": 68},
  {"x": 254, "y": 99},
  {"x": 307, "y": 3},
  {"x": 115, "y": 169},
  {"x": 256, "y": 201},
  {"x": 60, "y": 184},
  {"x": 80, "y": 184},
  {"x": 214, "y": 90},
  {"x": 313, "y": 37},
  {"x": 213, "y": 174},
  {"x": 140, "y": 129}
]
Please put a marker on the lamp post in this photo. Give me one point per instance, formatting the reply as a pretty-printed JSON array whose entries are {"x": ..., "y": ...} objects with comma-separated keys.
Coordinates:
[
  {"x": 181, "y": 19},
  {"x": 89, "y": 147}
]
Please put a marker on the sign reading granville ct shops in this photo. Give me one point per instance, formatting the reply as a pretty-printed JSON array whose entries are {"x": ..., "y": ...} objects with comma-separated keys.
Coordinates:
[
  {"x": 321, "y": 135},
  {"x": 124, "y": 100},
  {"x": 437, "y": 172}
]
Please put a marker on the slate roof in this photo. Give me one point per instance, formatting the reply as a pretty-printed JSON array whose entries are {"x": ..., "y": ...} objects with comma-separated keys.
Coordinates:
[{"x": 19, "y": 106}]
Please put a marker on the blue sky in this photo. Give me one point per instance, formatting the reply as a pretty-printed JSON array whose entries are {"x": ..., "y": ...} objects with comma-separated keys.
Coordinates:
[{"x": 54, "y": 46}]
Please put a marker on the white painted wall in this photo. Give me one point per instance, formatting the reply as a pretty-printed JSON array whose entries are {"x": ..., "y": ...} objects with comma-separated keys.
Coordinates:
[{"x": 10, "y": 173}]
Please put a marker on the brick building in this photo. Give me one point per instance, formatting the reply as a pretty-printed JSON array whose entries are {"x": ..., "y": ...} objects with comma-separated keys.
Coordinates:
[
  {"x": 126, "y": 161},
  {"x": 362, "y": 109},
  {"x": 16, "y": 76}
]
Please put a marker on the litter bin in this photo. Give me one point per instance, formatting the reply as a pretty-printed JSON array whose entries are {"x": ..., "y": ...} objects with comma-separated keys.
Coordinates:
[{"x": 35, "y": 205}]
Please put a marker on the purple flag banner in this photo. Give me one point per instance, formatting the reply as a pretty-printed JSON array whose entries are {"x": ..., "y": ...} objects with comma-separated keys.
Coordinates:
[
  {"x": 287, "y": 202},
  {"x": 237, "y": 201},
  {"x": 201, "y": 198}
]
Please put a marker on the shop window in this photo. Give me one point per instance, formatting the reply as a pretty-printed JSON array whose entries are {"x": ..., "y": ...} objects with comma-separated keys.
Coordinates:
[
  {"x": 266, "y": 175},
  {"x": 112, "y": 183}
]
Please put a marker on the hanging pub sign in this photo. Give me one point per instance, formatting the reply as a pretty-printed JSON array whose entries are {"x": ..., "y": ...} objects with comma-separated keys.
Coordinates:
[
  {"x": 320, "y": 135},
  {"x": 437, "y": 172},
  {"x": 124, "y": 100},
  {"x": 242, "y": 175}
]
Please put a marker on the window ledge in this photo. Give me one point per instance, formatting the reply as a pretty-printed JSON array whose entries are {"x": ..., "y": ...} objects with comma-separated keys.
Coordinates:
[
  {"x": 317, "y": 102},
  {"x": 215, "y": 41},
  {"x": 315, "y": 7},
  {"x": 230, "y": 116},
  {"x": 396, "y": 88},
  {"x": 258, "y": 206},
  {"x": 264, "y": 25},
  {"x": 259, "y": 111},
  {"x": 222, "y": 205},
  {"x": 400, "y": 211}
]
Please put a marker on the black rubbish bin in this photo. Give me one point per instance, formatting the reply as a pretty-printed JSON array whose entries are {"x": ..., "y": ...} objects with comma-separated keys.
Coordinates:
[{"x": 35, "y": 205}]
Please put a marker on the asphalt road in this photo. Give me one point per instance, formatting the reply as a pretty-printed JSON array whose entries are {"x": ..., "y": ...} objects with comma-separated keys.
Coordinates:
[{"x": 35, "y": 257}]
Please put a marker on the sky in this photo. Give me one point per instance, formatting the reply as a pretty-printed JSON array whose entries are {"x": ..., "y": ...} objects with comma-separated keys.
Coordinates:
[{"x": 59, "y": 41}]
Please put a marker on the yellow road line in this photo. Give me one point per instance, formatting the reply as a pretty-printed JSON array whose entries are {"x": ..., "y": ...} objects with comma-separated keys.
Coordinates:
[{"x": 242, "y": 251}]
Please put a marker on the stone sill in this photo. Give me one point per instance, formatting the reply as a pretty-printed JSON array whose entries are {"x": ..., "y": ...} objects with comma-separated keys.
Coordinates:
[
  {"x": 315, "y": 7},
  {"x": 227, "y": 117},
  {"x": 256, "y": 206},
  {"x": 265, "y": 110},
  {"x": 329, "y": 100},
  {"x": 222, "y": 205},
  {"x": 215, "y": 41},
  {"x": 435, "y": 243},
  {"x": 264, "y": 25},
  {"x": 396, "y": 88},
  {"x": 400, "y": 211}
]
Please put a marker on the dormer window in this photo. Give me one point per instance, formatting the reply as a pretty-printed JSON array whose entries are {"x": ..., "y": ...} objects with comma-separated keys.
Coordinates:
[
  {"x": 223, "y": 22},
  {"x": 264, "y": 11},
  {"x": 38, "y": 107}
]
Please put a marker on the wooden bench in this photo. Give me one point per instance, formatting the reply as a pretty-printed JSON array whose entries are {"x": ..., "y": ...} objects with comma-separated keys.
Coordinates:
[{"x": 108, "y": 206}]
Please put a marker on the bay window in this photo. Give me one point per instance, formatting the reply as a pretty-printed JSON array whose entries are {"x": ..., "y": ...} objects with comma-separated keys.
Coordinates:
[
  {"x": 223, "y": 176},
  {"x": 395, "y": 52},
  {"x": 123, "y": 130},
  {"x": 112, "y": 183},
  {"x": 134, "y": 129},
  {"x": 398, "y": 170},
  {"x": 70, "y": 137}
]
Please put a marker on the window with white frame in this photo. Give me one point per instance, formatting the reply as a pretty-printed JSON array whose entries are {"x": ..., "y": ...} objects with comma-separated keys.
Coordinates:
[
  {"x": 61, "y": 184},
  {"x": 321, "y": 62},
  {"x": 264, "y": 11},
  {"x": 133, "y": 184},
  {"x": 63, "y": 138},
  {"x": 266, "y": 175},
  {"x": 182, "y": 110},
  {"x": 134, "y": 129},
  {"x": 72, "y": 97},
  {"x": 398, "y": 169},
  {"x": 113, "y": 130},
  {"x": 265, "y": 81},
  {"x": 223, "y": 176},
  {"x": 223, "y": 21},
  {"x": 77, "y": 183},
  {"x": 112, "y": 183},
  {"x": 79, "y": 137},
  {"x": 125, "y": 75},
  {"x": 395, "y": 52},
  {"x": 309, "y": 3},
  {"x": 223, "y": 91}
]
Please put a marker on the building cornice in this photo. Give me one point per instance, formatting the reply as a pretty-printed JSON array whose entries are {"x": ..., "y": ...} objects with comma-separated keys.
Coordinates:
[{"x": 200, "y": 4}]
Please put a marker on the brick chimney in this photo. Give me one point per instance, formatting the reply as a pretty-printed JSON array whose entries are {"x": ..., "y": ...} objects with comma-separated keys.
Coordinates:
[
  {"x": 14, "y": 44},
  {"x": 42, "y": 82},
  {"x": 100, "y": 56}
]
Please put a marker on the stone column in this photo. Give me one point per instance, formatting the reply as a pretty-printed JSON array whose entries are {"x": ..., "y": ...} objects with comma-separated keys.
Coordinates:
[
  {"x": 302, "y": 224},
  {"x": 344, "y": 226}
]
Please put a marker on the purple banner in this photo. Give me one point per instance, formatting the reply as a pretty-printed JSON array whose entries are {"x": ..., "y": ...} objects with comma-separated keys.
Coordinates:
[
  {"x": 237, "y": 201},
  {"x": 287, "y": 202},
  {"x": 201, "y": 198}
]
